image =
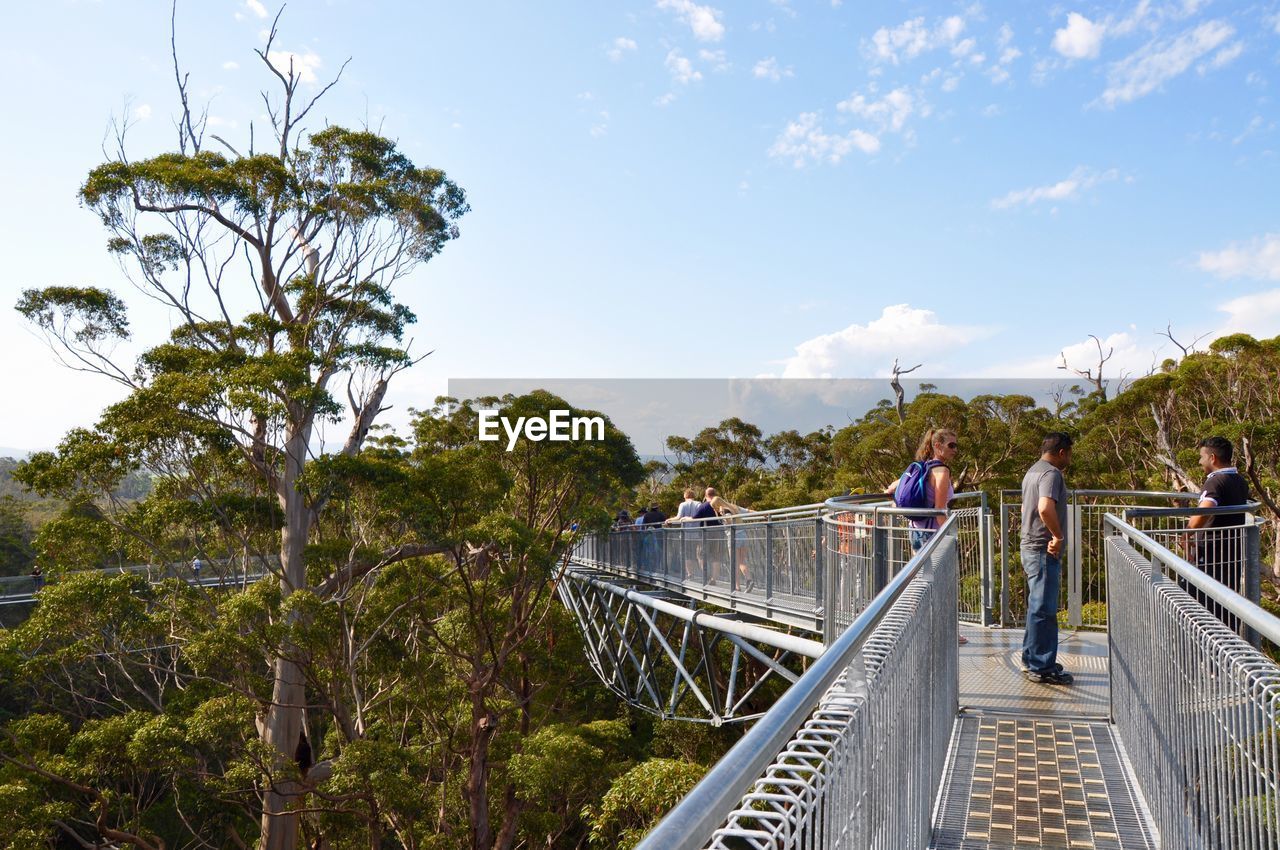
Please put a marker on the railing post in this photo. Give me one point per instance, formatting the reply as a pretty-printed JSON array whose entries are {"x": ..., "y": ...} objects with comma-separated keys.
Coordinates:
[
  {"x": 733, "y": 557},
  {"x": 880, "y": 543},
  {"x": 1006, "y": 616},
  {"x": 705, "y": 557},
  {"x": 768, "y": 560},
  {"x": 988, "y": 563},
  {"x": 825, "y": 578},
  {"x": 1252, "y": 589},
  {"x": 1074, "y": 565}
]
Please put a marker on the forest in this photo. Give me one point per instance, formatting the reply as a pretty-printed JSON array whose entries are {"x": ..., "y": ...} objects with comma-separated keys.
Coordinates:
[{"x": 407, "y": 677}]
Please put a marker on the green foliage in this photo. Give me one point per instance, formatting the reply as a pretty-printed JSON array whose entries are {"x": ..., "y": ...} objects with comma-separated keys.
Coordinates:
[
  {"x": 16, "y": 552},
  {"x": 91, "y": 314},
  {"x": 639, "y": 799},
  {"x": 562, "y": 768}
]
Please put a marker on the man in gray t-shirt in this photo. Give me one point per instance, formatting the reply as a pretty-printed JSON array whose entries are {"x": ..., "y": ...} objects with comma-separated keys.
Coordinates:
[
  {"x": 1044, "y": 532},
  {"x": 1043, "y": 481}
]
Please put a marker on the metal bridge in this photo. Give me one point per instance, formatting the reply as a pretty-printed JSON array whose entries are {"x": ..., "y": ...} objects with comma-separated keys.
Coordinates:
[
  {"x": 836, "y": 629},
  {"x": 214, "y": 573}
]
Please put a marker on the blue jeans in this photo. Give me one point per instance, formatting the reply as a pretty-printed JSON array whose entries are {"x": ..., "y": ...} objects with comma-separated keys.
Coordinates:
[{"x": 1044, "y": 577}]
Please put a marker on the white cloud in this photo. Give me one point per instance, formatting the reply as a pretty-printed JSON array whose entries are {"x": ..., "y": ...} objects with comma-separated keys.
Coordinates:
[
  {"x": 991, "y": 110},
  {"x": 912, "y": 38},
  {"x": 256, "y": 7},
  {"x": 1129, "y": 358},
  {"x": 1223, "y": 57},
  {"x": 889, "y": 112},
  {"x": 1081, "y": 38},
  {"x": 1257, "y": 314},
  {"x": 230, "y": 65},
  {"x": 1257, "y": 258},
  {"x": 621, "y": 47},
  {"x": 703, "y": 20},
  {"x": 768, "y": 69},
  {"x": 1151, "y": 66},
  {"x": 664, "y": 100},
  {"x": 1255, "y": 125},
  {"x": 804, "y": 140},
  {"x": 1070, "y": 188},
  {"x": 304, "y": 64},
  {"x": 999, "y": 72},
  {"x": 142, "y": 111},
  {"x": 682, "y": 70},
  {"x": 900, "y": 328},
  {"x": 785, "y": 6},
  {"x": 1008, "y": 54},
  {"x": 1005, "y": 36},
  {"x": 717, "y": 59}
]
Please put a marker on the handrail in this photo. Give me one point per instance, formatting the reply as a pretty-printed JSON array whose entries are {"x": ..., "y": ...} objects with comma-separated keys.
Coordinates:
[
  {"x": 1246, "y": 508},
  {"x": 1253, "y": 616},
  {"x": 1143, "y": 494},
  {"x": 710, "y": 802}
]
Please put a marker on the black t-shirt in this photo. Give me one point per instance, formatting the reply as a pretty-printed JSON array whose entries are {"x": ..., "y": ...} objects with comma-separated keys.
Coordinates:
[
  {"x": 1225, "y": 488},
  {"x": 704, "y": 511}
]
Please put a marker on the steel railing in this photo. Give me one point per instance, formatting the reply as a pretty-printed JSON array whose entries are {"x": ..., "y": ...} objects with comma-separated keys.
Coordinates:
[
  {"x": 851, "y": 755},
  {"x": 765, "y": 563},
  {"x": 223, "y": 572},
  {"x": 1084, "y": 582},
  {"x": 868, "y": 540},
  {"x": 794, "y": 565},
  {"x": 1230, "y": 554},
  {"x": 1197, "y": 708}
]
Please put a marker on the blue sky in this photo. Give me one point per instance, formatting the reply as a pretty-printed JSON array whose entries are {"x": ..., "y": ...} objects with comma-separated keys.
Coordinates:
[{"x": 683, "y": 189}]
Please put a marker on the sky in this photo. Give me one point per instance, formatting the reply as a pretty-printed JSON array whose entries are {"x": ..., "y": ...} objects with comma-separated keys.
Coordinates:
[{"x": 673, "y": 189}]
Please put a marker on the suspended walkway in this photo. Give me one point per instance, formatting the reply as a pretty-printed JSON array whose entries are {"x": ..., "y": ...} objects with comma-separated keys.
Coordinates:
[
  {"x": 222, "y": 573},
  {"x": 835, "y": 629}
]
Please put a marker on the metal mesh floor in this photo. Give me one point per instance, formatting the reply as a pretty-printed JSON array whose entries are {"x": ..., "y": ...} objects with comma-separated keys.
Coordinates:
[
  {"x": 1038, "y": 782},
  {"x": 991, "y": 675}
]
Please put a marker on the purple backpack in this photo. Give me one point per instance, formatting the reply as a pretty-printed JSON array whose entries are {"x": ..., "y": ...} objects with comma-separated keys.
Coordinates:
[{"x": 911, "y": 492}]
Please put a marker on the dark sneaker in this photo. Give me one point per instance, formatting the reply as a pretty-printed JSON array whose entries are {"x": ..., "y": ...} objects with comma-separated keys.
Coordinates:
[{"x": 1054, "y": 677}]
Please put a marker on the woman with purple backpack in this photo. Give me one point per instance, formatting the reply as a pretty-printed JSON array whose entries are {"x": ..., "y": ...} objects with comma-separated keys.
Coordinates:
[{"x": 934, "y": 455}]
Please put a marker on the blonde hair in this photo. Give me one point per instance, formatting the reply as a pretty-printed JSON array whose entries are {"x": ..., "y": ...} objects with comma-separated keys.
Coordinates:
[{"x": 931, "y": 439}]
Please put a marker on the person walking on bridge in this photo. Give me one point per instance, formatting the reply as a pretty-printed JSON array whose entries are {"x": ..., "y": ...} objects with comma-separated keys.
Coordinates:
[{"x": 1044, "y": 524}]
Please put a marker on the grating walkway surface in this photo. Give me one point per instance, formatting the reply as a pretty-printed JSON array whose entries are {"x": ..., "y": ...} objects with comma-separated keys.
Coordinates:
[
  {"x": 991, "y": 675},
  {"x": 1021, "y": 782}
]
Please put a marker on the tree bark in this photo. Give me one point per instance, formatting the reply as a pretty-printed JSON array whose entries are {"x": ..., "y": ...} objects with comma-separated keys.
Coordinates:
[
  {"x": 282, "y": 729},
  {"x": 484, "y": 724}
]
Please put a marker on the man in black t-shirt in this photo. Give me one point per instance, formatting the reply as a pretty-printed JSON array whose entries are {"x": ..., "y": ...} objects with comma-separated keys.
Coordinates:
[{"x": 1219, "y": 548}]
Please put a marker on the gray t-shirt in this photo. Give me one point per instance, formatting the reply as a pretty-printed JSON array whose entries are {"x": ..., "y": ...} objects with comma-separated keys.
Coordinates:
[{"x": 1042, "y": 479}]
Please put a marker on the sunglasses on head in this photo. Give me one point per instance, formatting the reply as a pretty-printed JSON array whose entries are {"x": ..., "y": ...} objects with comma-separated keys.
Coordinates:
[{"x": 953, "y": 445}]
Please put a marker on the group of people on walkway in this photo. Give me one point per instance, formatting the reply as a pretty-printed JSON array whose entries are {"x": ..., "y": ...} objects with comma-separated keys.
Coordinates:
[
  {"x": 1044, "y": 528},
  {"x": 692, "y": 512},
  {"x": 1043, "y": 540},
  {"x": 711, "y": 510},
  {"x": 1215, "y": 552}
]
